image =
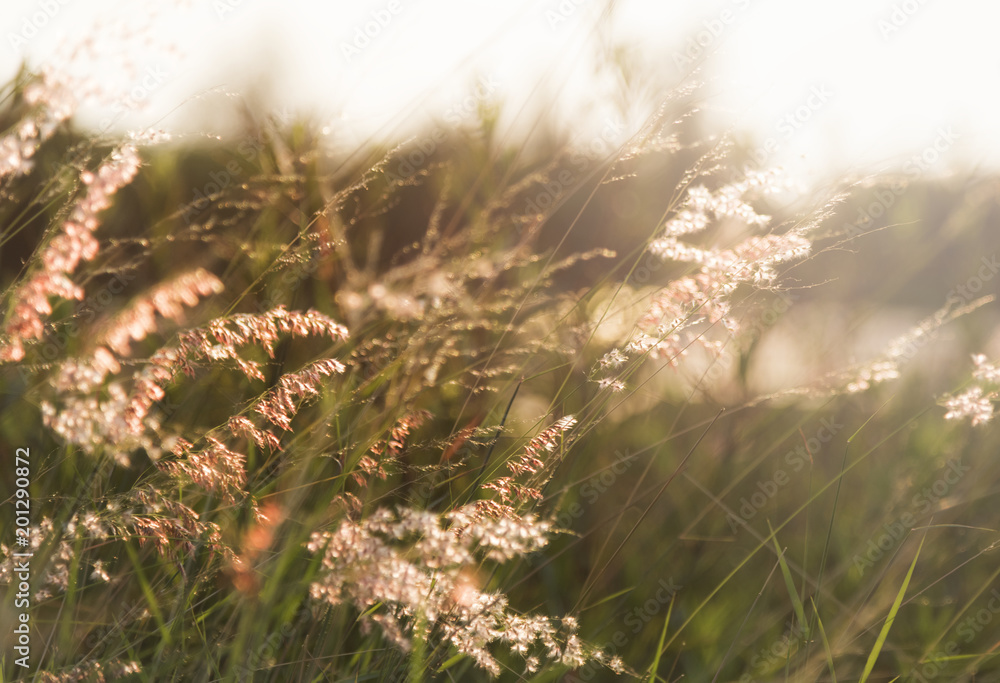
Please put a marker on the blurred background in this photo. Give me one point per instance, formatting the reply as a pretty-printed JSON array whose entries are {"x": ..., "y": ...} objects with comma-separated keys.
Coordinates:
[{"x": 856, "y": 85}]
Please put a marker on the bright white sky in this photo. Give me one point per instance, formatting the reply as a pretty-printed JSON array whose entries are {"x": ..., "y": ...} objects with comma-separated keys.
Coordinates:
[{"x": 868, "y": 83}]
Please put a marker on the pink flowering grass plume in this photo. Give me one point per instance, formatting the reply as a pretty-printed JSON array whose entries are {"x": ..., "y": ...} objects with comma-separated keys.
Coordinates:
[
  {"x": 171, "y": 527},
  {"x": 265, "y": 439},
  {"x": 155, "y": 515},
  {"x": 96, "y": 421},
  {"x": 59, "y": 258},
  {"x": 50, "y": 103},
  {"x": 281, "y": 403},
  {"x": 977, "y": 402},
  {"x": 410, "y": 573},
  {"x": 134, "y": 323},
  {"x": 888, "y": 366},
  {"x": 119, "y": 415},
  {"x": 546, "y": 442},
  {"x": 90, "y": 418},
  {"x": 220, "y": 340},
  {"x": 167, "y": 300},
  {"x": 680, "y": 314},
  {"x": 384, "y": 451},
  {"x": 93, "y": 671},
  {"x": 530, "y": 462},
  {"x": 215, "y": 468}
]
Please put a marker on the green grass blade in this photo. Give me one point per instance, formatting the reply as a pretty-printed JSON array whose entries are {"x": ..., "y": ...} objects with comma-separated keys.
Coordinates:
[
  {"x": 872, "y": 417},
  {"x": 609, "y": 598},
  {"x": 418, "y": 654},
  {"x": 654, "y": 667},
  {"x": 826, "y": 643},
  {"x": 149, "y": 594},
  {"x": 892, "y": 617},
  {"x": 800, "y": 612},
  {"x": 451, "y": 662}
]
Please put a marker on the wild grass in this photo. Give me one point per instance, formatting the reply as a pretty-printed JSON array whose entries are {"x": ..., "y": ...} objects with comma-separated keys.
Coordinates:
[{"x": 329, "y": 424}]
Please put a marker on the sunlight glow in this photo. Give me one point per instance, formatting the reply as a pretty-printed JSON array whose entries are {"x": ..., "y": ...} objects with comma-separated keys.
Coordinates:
[{"x": 896, "y": 71}]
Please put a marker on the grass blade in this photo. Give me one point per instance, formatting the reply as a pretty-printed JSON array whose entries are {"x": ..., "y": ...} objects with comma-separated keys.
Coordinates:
[
  {"x": 654, "y": 667},
  {"x": 800, "y": 613},
  {"x": 826, "y": 643},
  {"x": 884, "y": 633}
]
